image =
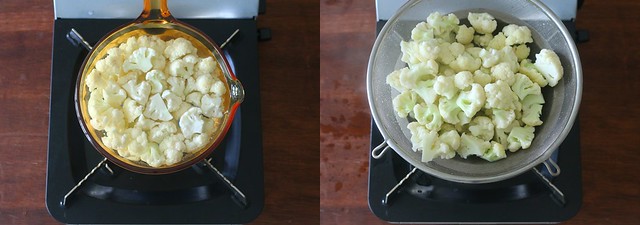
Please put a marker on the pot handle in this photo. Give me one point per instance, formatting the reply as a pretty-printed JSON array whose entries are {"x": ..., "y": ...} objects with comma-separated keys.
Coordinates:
[{"x": 378, "y": 151}]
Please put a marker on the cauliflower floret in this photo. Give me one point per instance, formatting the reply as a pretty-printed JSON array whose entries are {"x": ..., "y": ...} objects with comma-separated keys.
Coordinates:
[
  {"x": 173, "y": 146},
  {"x": 498, "y": 41},
  {"x": 173, "y": 101},
  {"x": 451, "y": 112},
  {"x": 96, "y": 105},
  {"x": 153, "y": 156},
  {"x": 111, "y": 119},
  {"x": 442, "y": 25},
  {"x": 548, "y": 63},
  {"x": 482, "y": 127},
  {"x": 503, "y": 118},
  {"x": 110, "y": 65},
  {"x": 113, "y": 94},
  {"x": 161, "y": 131},
  {"x": 482, "y": 78},
  {"x": 425, "y": 90},
  {"x": 138, "y": 144},
  {"x": 218, "y": 88},
  {"x": 419, "y": 51},
  {"x": 197, "y": 142},
  {"x": 144, "y": 123},
  {"x": 117, "y": 139},
  {"x": 471, "y": 101},
  {"x": 422, "y": 32},
  {"x": 490, "y": 57},
  {"x": 409, "y": 77},
  {"x": 138, "y": 92},
  {"x": 527, "y": 68},
  {"x": 131, "y": 110},
  {"x": 451, "y": 138},
  {"x": 520, "y": 137},
  {"x": 503, "y": 72},
  {"x": 156, "y": 109},
  {"x": 463, "y": 79},
  {"x": 177, "y": 85},
  {"x": 523, "y": 86},
  {"x": 204, "y": 83},
  {"x": 465, "y": 34},
  {"x": 403, "y": 103},
  {"x": 522, "y": 51},
  {"x": 177, "y": 48},
  {"x": 183, "y": 108},
  {"x": 532, "y": 109},
  {"x": 95, "y": 80},
  {"x": 428, "y": 142},
  {"x": 465, "y": 62},
  {"x": 482, "y": 40},
  {"x": 157, "y": 80},
  {"x": 191, "y": 122},
  {"x": 131, "y": 75},
  {"x": 206, "y": 65},
  {"x": 212, "y": 106},
  {"x": 140, "y": 59},
  {"x": 517, "y": 34},
  {"x": 194, "y": 98},
  {"x": 499, "y": 96},
  {"x": 428, "y": 115},
  {"x": 180, "y": 68},
  {"x": 496, "y": 152},
  {"x": 445, "y": 86},
  {"x": 483, "y": 23},
  {"x": 470, "y": 145},
  {"x": 508, "y": 55}
]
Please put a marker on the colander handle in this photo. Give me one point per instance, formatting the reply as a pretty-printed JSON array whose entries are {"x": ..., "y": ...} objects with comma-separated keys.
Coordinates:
[
  {"x": 378, "y": 151},
  {"x": 552, "y": 167}
]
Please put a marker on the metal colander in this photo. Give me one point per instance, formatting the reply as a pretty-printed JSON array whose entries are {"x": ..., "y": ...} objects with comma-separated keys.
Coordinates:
[{"x": 559, "y": 112}]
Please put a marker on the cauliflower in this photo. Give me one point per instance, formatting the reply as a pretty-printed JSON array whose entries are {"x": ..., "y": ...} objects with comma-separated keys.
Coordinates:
[
  {"x": 482, "y": 78},
  {"x": 520, "y": 137},
  {"x": 465, "y": 62},
  {"x": 463, "y": 79},
  {"x": 177, "y": 48},
  {"x": 482, "y": 127},
  {"x": 458, "y": 80},
  {"x": 498, "y": 41},
  {"x": 548, "y": 63},
  {"x": 483, "y": 23},
  {"x": 138, "y": 108},
  {"x": 532, "y": 109},
  {"x": 527, "y": 68},
  {"x": 499, "y": 95},
  {"x": 471, "y": 101},
  {"x": 517, "y": 34},
  {"x": 471, "y": 145},
  {"x": 140, "y": 59},
  {"x": 428, "y": 142},
  {"x": 465, "y": 34},
  {"x": 211, "y": 106},
  {"x": 191, "y": 122},
  {"x": 428, "y": 115},
  {"x": 414, "y": 52},
  {"x": 445, "y": 86},
  {"x": 496, "y": 152},
  {"x": 138, "y": 92},
  {"x": 523, "y": 86},
  {"x": 157, "y": 110}
]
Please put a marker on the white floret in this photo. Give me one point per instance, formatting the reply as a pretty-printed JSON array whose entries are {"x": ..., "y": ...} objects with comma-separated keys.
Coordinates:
[
  {"x": 428, "y": 115},
  {"x": 471, "y": 101},
  {"x": 156, "y": 109},
  {"x": 131, "y": 109},
  {"x": 471, "y": 145},
  {"x": 499, "y": 95},
  {"x": 206, "y": 65},
  {"x": 445, "y": 86},
  {"x": 212, "y": 106},
  {"x": 218, "y": 88},
  {"x": 177, "y": 48},
  {"x": 161, "y": 131},
  {"x": 463, "y": 79},
  {"x": 520, "y": 137},
  {"x": 173, "y": 148},
  {"x": 465, "y": 34},
  {"x": 482, "y": 127},
  {"x": 173, "y": 101},
  {"x": 140, "y": 59},
  {"x": 548, "y": 63},
  {"x": 503, "y": 72},
  {"x": 517, "y": 34},
  {"x": 483, "y": 23},
  {"x": 138, "y": 92},
  {"x": 191, "y": 122},
  {"x": 157, "y": 80}
]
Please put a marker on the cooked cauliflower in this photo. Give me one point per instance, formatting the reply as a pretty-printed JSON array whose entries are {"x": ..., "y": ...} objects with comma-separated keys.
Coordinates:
[
  {"x": 156, "y": 101},
  {"x": 483, "y": 23},
  {"x": 466, "y": 90},
  {"x": 548, "y": 63}
]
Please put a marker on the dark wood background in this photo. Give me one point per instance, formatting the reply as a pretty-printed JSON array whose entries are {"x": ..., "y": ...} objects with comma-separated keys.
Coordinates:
[
  {"x": 609, "y": 113},
  {"x": 289, "y": 69}
]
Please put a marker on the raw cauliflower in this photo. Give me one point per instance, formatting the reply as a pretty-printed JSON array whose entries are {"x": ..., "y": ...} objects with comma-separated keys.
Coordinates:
[
  {"x": 155, "y": 101},
  {"x": 467, "y": 89}
]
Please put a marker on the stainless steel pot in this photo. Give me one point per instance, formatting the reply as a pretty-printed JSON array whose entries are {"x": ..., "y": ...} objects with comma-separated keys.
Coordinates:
[{"x": 559, "y": 112}]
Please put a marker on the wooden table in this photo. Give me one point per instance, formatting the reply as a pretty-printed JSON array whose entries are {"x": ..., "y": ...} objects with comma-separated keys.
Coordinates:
[
  {"x": 609, "y": 114},
  {"x": 289, "y": 66}
]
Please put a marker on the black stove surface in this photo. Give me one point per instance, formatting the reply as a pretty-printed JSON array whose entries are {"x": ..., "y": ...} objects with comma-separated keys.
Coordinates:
[
  {"x": 522, "y": 199},
  {"x": 193, "y": 195}
]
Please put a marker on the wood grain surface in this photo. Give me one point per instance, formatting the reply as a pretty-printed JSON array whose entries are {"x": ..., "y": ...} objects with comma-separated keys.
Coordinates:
[
  {"x": 289, "y": 71},
  {"x": 609, "y": 114}
]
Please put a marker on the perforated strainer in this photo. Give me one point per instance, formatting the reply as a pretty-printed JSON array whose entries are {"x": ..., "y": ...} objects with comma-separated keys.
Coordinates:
[{"x": 559, "y": 112}]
